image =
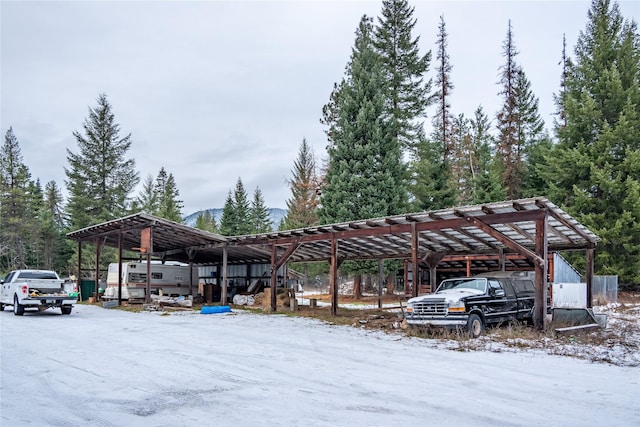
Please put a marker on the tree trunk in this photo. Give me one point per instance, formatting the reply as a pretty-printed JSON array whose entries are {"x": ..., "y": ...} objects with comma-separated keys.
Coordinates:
[
  {"x": 391, "y": 284},
  {"x": 357, "y": 285}
]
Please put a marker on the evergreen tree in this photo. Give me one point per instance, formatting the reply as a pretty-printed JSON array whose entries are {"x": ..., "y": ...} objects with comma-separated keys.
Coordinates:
[
  {"x": 147, "y": 200},
  {"x": 464, "y": 163},
  {"x": 228, "y": 224},
  {"x": 365, "y": 177},
  {"x": 404, "y": 68},
  {"x": 443, "y": 119},
  {"x": 519, "y": 122},
  {"x": 242, "y": 209},
  {"x": 56, "y": 250},
  {"x": 486, "y": 173},
  {"x": 531, "y": 136},
  {"x": 207, "y": 222},
  {"x": 594, "y": 170},
  {"x": 430, "y": 186},
  {"x": 99, "y": 177},
  {"x": 166, "y": 194},
  {"x": 15, "y": 215},
  {"x": 259, "y": 214},
  {"x": 236, "y": 213},
  {"x": 304, "y": 201},
  {"x": 35, "y": 205},
  {"x": 433, "y": 184}
]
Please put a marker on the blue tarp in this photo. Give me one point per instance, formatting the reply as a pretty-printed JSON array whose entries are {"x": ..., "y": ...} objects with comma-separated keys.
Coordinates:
[{"x": 214, "y": 309}]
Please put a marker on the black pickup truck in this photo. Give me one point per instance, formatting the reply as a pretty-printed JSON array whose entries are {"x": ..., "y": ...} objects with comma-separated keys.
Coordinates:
[{"x": 471, "y": 303}]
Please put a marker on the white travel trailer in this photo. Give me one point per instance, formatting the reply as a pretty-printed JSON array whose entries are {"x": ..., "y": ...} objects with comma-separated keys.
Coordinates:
[{"x": 171, "y": 279}]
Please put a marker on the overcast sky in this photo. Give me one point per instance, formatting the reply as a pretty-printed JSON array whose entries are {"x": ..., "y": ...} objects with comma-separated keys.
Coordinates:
[{"x": 216, "y": 90}]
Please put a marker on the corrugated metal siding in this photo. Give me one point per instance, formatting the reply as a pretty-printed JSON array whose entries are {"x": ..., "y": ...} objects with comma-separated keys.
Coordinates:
[
  {"x": 563, "y": 272},
  {"x": 605, "y": 287}
]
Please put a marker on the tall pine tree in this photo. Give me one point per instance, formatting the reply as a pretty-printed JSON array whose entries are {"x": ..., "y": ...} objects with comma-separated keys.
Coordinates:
[
  {"x": 365, "y": 177},
  {"x": 147, "y": 200},
  {"x": 432, "y": 181},
  {"x": 304, "y": 201},
  {"x": 236, "y": 213},
  {"x": 166, "y": 194},
  {"x": 15, "y": 214},
  {"x": 594, "y": 170},
  {"x": 519, "y": 123},
  {"x": 404, "y": 70},
  {"x": 99, "y": 176},
  {"x": 259, "y": 214},
  {"x": 228, "y": 223},
  {"x": 207, "y": 222}
]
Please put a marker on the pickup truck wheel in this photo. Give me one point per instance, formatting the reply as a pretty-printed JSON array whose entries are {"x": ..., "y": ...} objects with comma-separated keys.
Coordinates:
[
  {"x": 475, "y": 326},
  {"x": 18, "y": 309},
  {"x": 66, "y": 309}
]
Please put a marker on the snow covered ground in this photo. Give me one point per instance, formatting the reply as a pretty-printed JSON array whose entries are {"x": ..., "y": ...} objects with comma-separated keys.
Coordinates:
[{"x": 100, "y": 367}]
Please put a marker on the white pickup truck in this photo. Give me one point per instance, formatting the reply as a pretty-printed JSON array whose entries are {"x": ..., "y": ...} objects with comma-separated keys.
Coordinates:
[{"x": 40, "y": 289}]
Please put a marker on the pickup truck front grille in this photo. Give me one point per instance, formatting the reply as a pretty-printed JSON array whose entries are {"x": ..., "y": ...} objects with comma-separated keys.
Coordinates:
[{"x": 428, "y": 308}]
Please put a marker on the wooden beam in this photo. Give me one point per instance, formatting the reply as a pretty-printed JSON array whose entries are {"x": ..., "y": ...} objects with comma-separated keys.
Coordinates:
[
  {"x": 328, "y": 233},
  {"x": 566, "y": 223},
  {"x": 476, "y": 222},
  {"x": 287, "y": 253},
  {"x": 540, "y": 304}
]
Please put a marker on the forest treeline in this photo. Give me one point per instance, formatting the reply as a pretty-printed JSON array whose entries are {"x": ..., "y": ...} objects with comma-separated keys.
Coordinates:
[{"x": 394, "y": 145}]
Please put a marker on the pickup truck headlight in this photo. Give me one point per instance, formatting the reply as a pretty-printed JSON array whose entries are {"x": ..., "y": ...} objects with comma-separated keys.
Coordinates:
[
  {"x": 456, "y": 307},
  {"x": 409, "y": 308}
]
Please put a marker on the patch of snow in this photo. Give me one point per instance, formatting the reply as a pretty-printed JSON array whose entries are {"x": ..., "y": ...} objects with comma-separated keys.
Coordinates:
[{"x": 114, "y": 368}]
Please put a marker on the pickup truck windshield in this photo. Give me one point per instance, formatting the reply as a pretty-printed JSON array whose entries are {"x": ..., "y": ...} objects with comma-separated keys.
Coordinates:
[{"x": 477, "y": 284}]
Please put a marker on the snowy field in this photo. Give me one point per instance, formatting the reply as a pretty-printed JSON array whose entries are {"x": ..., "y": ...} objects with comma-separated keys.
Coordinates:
[{"x": 100, "y": 367}]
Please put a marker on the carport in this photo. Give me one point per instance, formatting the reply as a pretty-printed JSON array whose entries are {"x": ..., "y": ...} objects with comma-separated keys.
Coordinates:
[{"x": 518, "y": 229}]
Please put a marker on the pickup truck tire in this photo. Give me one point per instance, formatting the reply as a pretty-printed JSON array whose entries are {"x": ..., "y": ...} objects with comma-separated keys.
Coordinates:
[
  {"x": 66, "y": 309},
  {"x": 18, "y": 309},
  {"x": 475, "y": 326}
]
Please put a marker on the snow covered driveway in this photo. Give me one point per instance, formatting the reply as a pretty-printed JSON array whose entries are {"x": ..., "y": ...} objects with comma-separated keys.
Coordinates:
[{"x": 102, "y": 367}]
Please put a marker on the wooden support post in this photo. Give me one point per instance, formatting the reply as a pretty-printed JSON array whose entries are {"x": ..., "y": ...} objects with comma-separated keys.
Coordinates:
[
  {"x": 502, "y": 261},
  {"x": 97, "y": 272},
  {"x": 415, "y": 270},
  {"x": 540, "y": 309},
  {"x": 333, "y": 277},
  {"x": 79, "y": 279},
  {"x": 380, "y": 279},
  {"x": 148, "y": 245},
  {"x": 589, "y": 279},
  {"x": 147, "y": 293},
  {"x": 119, "y": 269},
  {"x": 468, "y": 266},
  {"x": 406, "y": 277},
  {"x": 433, "y": 279},
  {"x": 274, "y": 279},
  {"x": 223, "y": 285}
]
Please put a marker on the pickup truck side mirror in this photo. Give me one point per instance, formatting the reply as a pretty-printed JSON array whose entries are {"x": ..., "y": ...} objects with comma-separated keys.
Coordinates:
[{"x": 498, "y": 293}]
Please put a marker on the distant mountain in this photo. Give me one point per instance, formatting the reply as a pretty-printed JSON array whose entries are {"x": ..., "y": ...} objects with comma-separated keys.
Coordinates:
[{"x": 275, "y": 214}]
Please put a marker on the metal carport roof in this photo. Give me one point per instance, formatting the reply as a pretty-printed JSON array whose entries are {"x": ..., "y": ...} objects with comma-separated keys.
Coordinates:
[
  {"x": 455, "y": 231},
  {"x": 527, "y": 227}
]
